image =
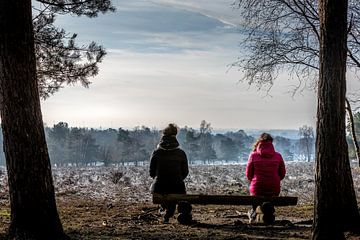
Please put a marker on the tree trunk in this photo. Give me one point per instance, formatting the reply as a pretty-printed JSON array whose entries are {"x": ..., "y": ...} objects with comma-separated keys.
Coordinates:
[
  {"x": 32, "y": 198},
  {"x": 352, "y": 130},
  {"x": 334, "y": 191},
  {"x": 308, "y": 149}
]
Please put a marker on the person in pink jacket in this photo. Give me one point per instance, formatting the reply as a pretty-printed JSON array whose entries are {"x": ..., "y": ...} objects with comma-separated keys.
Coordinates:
[{"x": 265, "y": 168}]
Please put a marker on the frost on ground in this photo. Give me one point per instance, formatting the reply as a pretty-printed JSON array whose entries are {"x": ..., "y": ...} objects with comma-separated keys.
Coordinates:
[{"x": 131, "y": 184}]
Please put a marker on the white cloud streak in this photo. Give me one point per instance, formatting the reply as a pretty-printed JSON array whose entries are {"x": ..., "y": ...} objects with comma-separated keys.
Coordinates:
[
  {"x": 160, "y": 76},
  {"x": 221, "y": 10}
]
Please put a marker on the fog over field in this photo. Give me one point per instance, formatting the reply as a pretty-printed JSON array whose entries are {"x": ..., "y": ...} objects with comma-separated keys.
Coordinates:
[{"x": 131, "y": 184}]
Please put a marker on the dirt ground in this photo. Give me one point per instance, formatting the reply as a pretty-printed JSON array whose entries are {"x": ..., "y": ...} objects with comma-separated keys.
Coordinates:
[
  {"x": 92, "y": 205},
  {"x": 89, "y": 219}
]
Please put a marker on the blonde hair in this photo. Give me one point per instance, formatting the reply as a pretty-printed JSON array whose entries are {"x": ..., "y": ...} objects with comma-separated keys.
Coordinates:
[
  {"x": 263, "y": 137},
  {"x": 170, "y": 130}
]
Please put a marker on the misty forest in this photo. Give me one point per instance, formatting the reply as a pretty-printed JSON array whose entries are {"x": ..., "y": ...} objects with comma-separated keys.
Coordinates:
[
  {"x": 74, "y": 146},
  {"x": 180, "y": 182}
]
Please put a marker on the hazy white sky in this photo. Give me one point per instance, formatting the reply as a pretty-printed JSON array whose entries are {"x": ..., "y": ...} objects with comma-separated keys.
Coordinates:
[{"x": 168, "y": 62}]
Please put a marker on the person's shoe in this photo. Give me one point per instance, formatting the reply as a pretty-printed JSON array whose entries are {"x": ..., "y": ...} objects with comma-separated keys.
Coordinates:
[
  {"x": 184, "y": 218},
  {"x": 166, "y": 220},
  {"x": 162, "y": 211},
  {"x": 267, "y": 210},
  {"x": 252, "y": 215}
]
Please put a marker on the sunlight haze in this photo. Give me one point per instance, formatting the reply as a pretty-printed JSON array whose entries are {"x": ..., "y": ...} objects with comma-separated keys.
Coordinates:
[{"x": 168, "y": 61}]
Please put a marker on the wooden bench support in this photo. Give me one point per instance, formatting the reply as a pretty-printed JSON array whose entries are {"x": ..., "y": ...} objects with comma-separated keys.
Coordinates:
[{"x": 223, "y": 199}]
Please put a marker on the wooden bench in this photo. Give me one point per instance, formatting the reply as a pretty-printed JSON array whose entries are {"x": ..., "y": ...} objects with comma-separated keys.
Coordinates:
[
  {"x": 264, "y": 211},
  {"x": 223, "y": 199}
]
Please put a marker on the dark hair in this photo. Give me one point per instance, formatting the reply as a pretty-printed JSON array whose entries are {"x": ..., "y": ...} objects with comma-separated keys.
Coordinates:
[
  {"x": 263, "y": 137},
  {"x": 170, "y": 130}
]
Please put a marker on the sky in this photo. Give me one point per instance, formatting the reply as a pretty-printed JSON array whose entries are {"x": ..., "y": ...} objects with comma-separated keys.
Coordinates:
[{"x": 168, "y": 61}]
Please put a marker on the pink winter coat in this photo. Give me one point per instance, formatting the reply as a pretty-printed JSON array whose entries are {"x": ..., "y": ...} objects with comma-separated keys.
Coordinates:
[{"x": 265, "y": 169}]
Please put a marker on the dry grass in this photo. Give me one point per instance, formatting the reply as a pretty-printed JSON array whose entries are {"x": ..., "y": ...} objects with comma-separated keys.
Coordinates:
[{"x": 90, "y": 219}]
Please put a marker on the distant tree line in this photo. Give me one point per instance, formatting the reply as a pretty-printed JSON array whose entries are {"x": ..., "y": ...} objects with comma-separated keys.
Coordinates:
[
  {"x": 87, "y": 146},
  {"x": 78, "y": 146}
]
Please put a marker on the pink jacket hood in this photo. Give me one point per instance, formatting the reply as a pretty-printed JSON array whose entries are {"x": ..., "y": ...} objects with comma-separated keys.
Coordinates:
[
  {"x": 265, "y": 169},
  {"x": 265, "y": 149}
]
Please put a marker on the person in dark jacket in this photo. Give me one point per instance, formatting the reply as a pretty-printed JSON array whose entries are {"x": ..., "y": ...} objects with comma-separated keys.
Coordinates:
[{"x": 168, "y": 168}]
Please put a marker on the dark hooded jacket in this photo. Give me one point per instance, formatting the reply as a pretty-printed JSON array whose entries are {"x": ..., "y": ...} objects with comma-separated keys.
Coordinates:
[{"x": 168, "y": 167}]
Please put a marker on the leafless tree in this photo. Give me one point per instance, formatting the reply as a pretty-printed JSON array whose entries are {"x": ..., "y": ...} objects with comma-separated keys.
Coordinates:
[
  {"x": 334, "y": 190},
  {"x": 306, "y": 134},
  {"x": 284, "y": 35},
  {"x": 352, "y": 130}
]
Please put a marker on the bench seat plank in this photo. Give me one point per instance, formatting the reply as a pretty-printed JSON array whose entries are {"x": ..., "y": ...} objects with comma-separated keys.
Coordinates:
[{"x": 223, "y": 199}]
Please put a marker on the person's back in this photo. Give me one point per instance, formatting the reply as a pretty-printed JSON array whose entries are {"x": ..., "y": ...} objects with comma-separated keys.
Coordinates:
[
  {"x": 169, "y": 166},
  {"x": 265, "y": 169}
]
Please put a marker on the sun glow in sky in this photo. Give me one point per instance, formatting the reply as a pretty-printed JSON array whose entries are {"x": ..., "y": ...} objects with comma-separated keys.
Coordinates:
[{"x": 168, "y": 61}]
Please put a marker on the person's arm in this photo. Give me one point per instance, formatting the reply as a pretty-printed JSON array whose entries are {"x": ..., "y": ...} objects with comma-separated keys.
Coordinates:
[
  {"x": 184, "y": 168},
  {"x": 153, "y": 162},
  {"x": 282, "y": 170},
  {"x": 250, "y": 169}
]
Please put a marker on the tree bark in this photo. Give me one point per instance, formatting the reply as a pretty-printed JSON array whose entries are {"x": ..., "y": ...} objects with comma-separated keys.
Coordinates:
[
  {"x": 334, "y": 191},
  {"x": 352, "y": 130},
  {"x": 32, "y": 197}
]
